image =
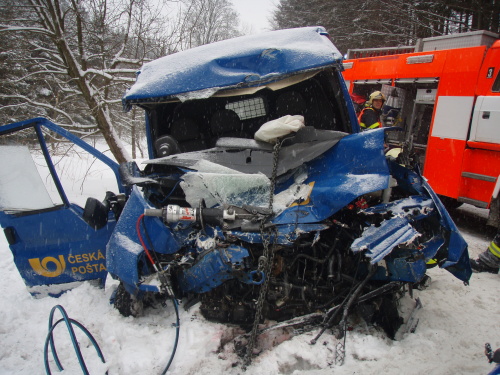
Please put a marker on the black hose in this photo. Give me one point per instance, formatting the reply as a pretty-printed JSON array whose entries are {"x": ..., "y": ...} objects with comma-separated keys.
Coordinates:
[
  {"x": 354, "y": 297},
  {"x": 177, "y": 328},
  {"x": 69, "y": 322},
  {"x": 50, "y": 339}
]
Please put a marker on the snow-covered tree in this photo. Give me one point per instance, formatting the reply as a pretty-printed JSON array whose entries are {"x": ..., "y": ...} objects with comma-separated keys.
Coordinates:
[
  {"x": 71, "y": 61},
  {"x": 377, "y": 23},
  {"x": 208, "y": 21}
]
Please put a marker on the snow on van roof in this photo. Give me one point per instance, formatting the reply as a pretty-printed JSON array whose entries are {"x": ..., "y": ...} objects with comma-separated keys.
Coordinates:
[{"x": 244, "y": 61}]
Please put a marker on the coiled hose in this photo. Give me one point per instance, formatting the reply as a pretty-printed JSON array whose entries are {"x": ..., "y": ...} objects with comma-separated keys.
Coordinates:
[
  {"x": 50, "y": 339},
  {"x": 69, "y": 324}
]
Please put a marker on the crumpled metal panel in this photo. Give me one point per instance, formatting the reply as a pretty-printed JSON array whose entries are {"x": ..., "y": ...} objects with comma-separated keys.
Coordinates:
[
  {"x": 215, "y": 267},
  {"x": 249, "y": 60},
  {"x": 380, "y": 241}
]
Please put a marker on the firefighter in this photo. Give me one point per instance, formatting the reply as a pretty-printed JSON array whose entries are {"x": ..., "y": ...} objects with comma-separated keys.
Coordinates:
[
  {"x": 369, "y": 118},
  {"x": 488, "y": 260}
]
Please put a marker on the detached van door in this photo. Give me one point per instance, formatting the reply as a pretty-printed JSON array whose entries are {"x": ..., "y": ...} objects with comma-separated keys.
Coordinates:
[{"x": 52, "y": 240}]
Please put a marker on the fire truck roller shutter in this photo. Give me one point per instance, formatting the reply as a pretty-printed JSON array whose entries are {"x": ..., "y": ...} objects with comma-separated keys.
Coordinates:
[{"x": 452, "y": 116}]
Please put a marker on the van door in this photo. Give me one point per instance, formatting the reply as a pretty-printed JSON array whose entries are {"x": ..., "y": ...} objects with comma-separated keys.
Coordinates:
[{"x": 52, "y": 240}]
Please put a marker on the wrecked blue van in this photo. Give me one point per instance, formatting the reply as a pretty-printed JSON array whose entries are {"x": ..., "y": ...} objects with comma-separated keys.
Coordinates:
[{"x": 261, "y": 198}]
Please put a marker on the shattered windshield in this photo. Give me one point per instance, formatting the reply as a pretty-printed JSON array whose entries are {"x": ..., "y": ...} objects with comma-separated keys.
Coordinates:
[{"x": 218, "y": 185}]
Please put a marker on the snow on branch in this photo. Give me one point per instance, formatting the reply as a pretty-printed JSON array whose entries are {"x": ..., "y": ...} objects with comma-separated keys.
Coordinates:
[
  {"x": 37, "y": 104},
  {"x": 10, "y": 28},
  {"x": 109, "y": 74},
  {"x": 62, "y": 72}
]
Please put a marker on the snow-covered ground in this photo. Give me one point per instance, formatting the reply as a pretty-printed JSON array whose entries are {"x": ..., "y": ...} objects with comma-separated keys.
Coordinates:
[{"x": 454, "y": 324}]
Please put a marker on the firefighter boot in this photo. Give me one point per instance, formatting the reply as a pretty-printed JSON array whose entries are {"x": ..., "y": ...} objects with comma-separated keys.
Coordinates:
[
  {"x": 489, "y": 260},
  {"x": 478, "y": 266}
]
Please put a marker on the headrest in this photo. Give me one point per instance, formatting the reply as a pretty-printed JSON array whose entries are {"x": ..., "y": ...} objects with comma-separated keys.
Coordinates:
[{"x": 225, "y": 121}]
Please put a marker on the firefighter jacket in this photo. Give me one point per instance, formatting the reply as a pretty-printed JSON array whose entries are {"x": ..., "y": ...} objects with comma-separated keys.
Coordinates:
[{"x": 369, "y": 118}]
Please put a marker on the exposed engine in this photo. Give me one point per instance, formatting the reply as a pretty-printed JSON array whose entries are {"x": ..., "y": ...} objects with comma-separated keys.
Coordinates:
[{"x": 242, "y": 262}]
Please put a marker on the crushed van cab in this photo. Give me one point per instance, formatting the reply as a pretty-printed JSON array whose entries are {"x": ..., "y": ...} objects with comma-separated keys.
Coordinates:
[{"x": 261, "y": 198}]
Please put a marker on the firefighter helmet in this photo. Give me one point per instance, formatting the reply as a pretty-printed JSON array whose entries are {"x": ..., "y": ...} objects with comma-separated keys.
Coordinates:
[{"x": 376, "y": 95}]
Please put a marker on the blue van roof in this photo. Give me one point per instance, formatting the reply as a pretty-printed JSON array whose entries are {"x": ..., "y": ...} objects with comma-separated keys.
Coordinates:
[{"x": 245, "y": 61}]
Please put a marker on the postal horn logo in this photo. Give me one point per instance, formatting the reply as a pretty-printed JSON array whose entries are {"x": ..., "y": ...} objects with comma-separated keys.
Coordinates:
[{"x": 49, "y": 266}]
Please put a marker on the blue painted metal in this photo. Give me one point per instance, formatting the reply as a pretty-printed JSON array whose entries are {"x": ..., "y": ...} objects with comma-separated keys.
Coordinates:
[
  {"x": 404, "y": 269},
  {"x": 432, "y": 247},
  {"x": 380, "y": 241},
  {"x": 215, "y": 267},
  {"x": 350, "y": 108},
  {"x": 149, "y": 136},
  {"x": 457, "y": 261},
  {"x": 250, "y": 60},
  {"x": 356, "y": 165},
  {"x": 55, "y": 246},
  {"x": 125, "y": 256},
  {"x": 496, "y": 370}
]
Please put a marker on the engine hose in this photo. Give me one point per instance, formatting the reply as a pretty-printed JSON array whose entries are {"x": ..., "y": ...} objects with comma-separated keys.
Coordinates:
[
  {"x": 148, "y": 254},
  {"x": 177, "y": 329},
  {"x": 50, "y": 339},
  {"x": 150, "y": 242},
  {"x": 169, "y": 194},
  {"x": 176, "y": 306}
]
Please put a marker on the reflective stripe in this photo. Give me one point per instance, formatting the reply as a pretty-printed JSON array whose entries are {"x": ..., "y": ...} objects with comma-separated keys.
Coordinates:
[
  {"x": 494, "y": 249},
  {"x": 361, "y": 115},
  {"x": 363, "y": 125},
  {"x": 373, "y": 126}
]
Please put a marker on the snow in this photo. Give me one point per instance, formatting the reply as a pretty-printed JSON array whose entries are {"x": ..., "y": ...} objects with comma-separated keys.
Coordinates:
[
  {"x": 20, "y": 182},
  {"x": 358, "y": 183},
  {"x": 454, "y": 324}
]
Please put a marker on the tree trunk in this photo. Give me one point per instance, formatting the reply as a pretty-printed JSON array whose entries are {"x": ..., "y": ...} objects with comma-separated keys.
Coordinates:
[{"x": 98, "y": 108}]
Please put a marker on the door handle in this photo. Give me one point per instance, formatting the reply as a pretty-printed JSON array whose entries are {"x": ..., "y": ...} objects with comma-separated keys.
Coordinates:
[{"x": 486, "y": 115}]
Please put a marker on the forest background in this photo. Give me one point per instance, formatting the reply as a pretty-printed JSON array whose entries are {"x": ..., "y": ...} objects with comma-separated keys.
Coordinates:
[{"x": 71, "y": 61}]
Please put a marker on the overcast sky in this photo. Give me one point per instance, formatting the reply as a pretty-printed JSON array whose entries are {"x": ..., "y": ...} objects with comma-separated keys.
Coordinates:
[{"x": 255, "y": 13}]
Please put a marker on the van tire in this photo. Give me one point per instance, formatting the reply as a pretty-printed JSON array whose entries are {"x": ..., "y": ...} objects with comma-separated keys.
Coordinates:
[{"x": 127, "y": 304}]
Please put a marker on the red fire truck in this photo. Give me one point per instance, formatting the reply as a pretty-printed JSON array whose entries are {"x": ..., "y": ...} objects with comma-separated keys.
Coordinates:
[{"x": 445, "y": 94}]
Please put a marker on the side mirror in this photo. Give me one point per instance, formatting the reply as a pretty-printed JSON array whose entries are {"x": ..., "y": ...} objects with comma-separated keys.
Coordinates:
[{"x": 95, "y": 213}]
